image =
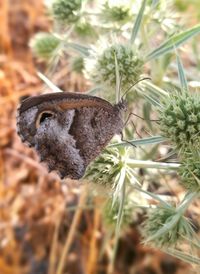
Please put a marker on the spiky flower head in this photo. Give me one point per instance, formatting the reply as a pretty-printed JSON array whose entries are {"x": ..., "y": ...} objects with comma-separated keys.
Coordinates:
[
  {"x": 111, "y": 170},
  {"x": 180, "y": 120},
  {"x": 189, "y": 170},
  {"x": 66, "y": 11},
  {"x": 111, "y": 213},
  {"x": 45, "y": 45},
  {"x": 166, "y": 226},
  {"x": 85, "y": 30},
  {"x": 102, "y": 68},
  {"x": 119, "y": 13},
  {"x": 106, "y": 168},
  {"x": 77, "y": 64}
]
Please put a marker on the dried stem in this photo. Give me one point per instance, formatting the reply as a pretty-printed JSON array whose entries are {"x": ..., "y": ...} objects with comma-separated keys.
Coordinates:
[{"x": 72, "y": 232}]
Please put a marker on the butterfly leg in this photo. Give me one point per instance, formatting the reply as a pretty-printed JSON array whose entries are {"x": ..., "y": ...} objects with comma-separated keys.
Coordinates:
[
  {"x": 127, "y": 120},
  {"x": 132, "y": 113},
  {"x": 123, "y": 140}
]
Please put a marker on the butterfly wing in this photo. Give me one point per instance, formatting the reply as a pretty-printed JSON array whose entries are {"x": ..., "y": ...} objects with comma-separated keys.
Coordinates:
[
  {"x": 68, "y": 130},
  {"x": 93, "y": 128}
]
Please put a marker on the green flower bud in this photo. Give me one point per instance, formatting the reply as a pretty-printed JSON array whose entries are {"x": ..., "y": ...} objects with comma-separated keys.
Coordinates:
[
  {"x": 77, "y": 64},
  {"x": 117, "y": 13},
  {"x": 179, "y": 112},
  {"x": 66, "y": 11},
  {"x": 165, "y": 227},
  {"x": 85, "y": 29},
  {"x": 45, "y": 45},
  {"x": 181, "y": 124},
  {"x": 191, "y": 129},
  {"x": 193, "y": 118},
  {"x": 180, "y": 119},
  {"x": 103, "y": 71},
  {"x": 169, "y": 120},
  {"x": 110, "y": 213},
  {"x": 105, "y": 168},
  {"x": 189, "y": 170}
]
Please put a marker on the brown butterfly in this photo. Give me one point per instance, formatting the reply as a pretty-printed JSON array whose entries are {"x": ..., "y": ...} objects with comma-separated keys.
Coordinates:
[{"x": 68, "y": 130}]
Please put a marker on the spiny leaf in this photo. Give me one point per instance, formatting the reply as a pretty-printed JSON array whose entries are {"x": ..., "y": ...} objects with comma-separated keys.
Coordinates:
[
  {"x": 139, "y": 142},
  {"x": 137, "y": 23},
  {"x": 173, "y": 42},
  {"x": 81, "y": 49},
  {"x": 181, "y": 73}
]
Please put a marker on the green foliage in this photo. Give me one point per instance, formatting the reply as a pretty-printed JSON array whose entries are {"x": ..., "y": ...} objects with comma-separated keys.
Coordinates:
[
  {"x": 129, "y": 63},
  {"x": 45, "y": 45},
  {"x": 189, "y": 170},
  {"x": 115, "y": 13},
  {"x": 66, "y": 11},
  {"x": 85, "y": 30},
  {"x": 111, "y": 211},
  {"x": 165, "y": 226},
  {"x": 106, "y": 168},
  {"x": 77, "y": 64},
  {"x": 174, "y": 42},
  {"x": 180, "y": 120}
]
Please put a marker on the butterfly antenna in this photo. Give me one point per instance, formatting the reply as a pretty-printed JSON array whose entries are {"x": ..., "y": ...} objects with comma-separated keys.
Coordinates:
[{"x": 140, "y": 80}]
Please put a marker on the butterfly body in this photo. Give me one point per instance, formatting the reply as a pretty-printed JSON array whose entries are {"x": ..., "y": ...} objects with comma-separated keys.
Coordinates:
[{"x": 68, "y": 130}]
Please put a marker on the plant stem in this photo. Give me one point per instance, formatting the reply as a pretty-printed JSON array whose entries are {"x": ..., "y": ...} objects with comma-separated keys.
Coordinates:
[
  {"x": 151, "y": 164},
  {"x": 71, "y": 233}
]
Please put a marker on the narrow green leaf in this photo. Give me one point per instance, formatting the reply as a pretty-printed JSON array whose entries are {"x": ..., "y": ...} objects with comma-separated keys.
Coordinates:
[
  {"x": 137, "y": 23},
  {"x": 121, "y": 206},
  {"x": 117, "y": 88},
  {"x": 151, "y": 99},
  {"x": 151, "y": 92},
  {"x": 164, "y": 229},
  {"x": 153, "y": 89},
  {"x": 140, "y": 142},
  {"x": 154, "y": 4},
  {"x": 181, "y": 73},
  {"x": 173, "y": 42},
  {"x": 151, "y": 164},
  {"x": 147, "y": 109},
  {"x": 83, "y": 50},
  {"x": 154, "y": 196}
]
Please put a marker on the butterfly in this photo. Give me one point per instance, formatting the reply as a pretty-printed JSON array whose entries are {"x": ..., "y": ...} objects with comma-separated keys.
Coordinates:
[{"x": 69, "y": 130}]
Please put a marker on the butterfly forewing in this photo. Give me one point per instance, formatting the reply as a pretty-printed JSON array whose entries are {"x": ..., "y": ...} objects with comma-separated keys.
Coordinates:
[{"x": 68, "y": 130}]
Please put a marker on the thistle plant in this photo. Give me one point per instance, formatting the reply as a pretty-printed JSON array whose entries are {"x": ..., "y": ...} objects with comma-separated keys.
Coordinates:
[
  {"x": 101, "y": 68},
  {"x": 108, "y": 167},
  {"x": 189, "y": 170},
  {"x": 115, "y": 13},
  {"x": 180, "y": 119},
  {"x": 166, "y": 226},
  {"x": 66, "y": 11},
  {"x": 45, "y": 45},
  {"x": 118, "y": 65},
  {"x": 105, "y": 168},
  {"x": 77, "y": 64},
  {"x": 111, "y": 211},
  {"x": 85, "y": 30}
]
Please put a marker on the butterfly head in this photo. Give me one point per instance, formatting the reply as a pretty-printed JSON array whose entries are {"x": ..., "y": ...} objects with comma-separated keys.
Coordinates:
[{"x": 122, "y": 105}]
